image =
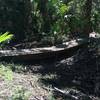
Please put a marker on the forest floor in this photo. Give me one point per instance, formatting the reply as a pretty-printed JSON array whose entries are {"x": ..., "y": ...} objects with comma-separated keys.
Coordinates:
[
  {"x": 36, "y": 80},
  {"x": 20, "y": 85}
]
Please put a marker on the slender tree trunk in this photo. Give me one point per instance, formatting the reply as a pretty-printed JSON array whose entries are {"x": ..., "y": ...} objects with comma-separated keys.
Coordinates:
[
  {"x": 28, "y": 17},
  {"x": 45, "y": 15},
  {"x": 87, "y": 17}
]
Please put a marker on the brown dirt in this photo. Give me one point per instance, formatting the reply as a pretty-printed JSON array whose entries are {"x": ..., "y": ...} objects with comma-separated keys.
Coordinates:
[{"x": 28, "y": 82}]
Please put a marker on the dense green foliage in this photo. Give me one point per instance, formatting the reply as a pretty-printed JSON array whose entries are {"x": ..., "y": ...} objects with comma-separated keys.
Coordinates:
[{"x": 49, "y": 19}]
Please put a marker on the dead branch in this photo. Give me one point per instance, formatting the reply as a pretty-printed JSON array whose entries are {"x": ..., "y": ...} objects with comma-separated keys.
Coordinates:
[
  {"x": 73, "y": 94},
  {"x": 66, "y": 93}
]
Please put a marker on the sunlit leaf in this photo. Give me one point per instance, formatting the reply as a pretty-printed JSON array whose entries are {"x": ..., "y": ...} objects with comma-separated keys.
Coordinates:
[
  {"x": 5, "y": 36},
  {"x": 64, "y": 8}
]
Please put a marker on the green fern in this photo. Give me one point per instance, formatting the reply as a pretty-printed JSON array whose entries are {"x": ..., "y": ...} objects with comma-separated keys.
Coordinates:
[{"x": 5, "y": 36}]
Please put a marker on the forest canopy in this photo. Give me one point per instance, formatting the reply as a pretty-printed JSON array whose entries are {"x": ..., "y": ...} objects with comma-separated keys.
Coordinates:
[{"x": 52, "y": 19}]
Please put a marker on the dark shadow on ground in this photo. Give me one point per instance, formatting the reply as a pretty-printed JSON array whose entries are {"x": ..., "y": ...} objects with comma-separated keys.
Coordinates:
[{"x": 80, "y": 71}]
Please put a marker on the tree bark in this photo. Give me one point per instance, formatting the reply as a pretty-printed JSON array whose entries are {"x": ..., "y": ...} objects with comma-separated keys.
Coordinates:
[
  {"x": 87, "y": 17},
  {"x": 45, "y": 15}
]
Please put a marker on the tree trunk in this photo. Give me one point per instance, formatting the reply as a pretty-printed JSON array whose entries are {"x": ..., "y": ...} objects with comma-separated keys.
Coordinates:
[
  {"x": 28, "y": 18},
  {"x": 87, "y": 17},
  {"x": 45, "y": 15}
]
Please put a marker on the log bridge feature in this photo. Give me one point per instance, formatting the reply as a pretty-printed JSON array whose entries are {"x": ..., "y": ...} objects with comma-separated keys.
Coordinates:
[{"x": 62, "y": 50}]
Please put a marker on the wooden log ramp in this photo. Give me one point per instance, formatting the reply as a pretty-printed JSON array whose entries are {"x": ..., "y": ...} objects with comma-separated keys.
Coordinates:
[{"x": 66, "y": 49}]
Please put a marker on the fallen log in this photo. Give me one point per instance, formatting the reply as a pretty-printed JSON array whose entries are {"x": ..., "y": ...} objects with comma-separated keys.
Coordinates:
[{"x": 63, "y": 50}]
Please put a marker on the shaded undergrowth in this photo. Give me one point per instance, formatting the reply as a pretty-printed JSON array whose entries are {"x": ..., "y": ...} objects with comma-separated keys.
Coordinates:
[{"x": 80, "y": 72}]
